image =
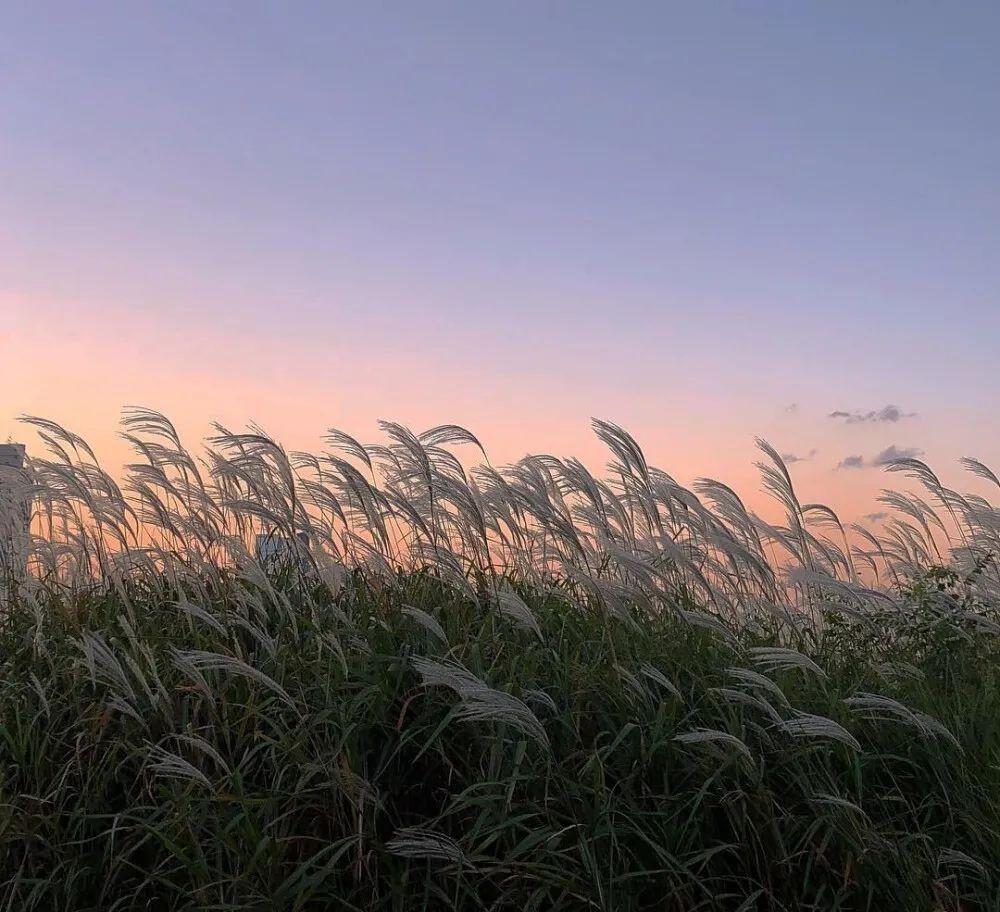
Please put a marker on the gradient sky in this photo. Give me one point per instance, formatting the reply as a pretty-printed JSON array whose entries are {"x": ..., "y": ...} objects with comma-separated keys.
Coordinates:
[{"x": 683, "y": 217}]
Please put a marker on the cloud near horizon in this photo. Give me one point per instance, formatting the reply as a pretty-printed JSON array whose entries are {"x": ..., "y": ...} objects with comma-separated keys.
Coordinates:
[
  {"x": 789, "y": 458},
  {"x": 888, "y": 414},
  {"x": 887, "y": 456},
  {"x": 892, "y": 452}
]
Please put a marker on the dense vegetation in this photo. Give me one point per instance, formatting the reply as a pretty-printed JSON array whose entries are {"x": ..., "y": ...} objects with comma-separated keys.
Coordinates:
[{"x": 612, "y": 701}]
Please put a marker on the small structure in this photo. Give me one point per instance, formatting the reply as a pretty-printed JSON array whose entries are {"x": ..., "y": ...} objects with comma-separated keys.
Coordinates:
[
  {"x": 15, "y": 514},
  {"x": 12, "y": 455},
  {"x": 274, "y": 551}
]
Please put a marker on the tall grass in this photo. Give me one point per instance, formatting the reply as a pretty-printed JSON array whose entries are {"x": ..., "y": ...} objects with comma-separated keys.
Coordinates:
[{"x": 519, "y": 688}]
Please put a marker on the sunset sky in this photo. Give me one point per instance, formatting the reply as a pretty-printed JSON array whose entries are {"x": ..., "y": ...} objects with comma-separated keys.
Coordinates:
[{"x": 705, "y": 221}]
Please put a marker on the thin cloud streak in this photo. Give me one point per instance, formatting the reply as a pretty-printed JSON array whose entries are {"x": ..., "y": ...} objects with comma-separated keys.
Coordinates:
[{"x": 889, "y": 414}]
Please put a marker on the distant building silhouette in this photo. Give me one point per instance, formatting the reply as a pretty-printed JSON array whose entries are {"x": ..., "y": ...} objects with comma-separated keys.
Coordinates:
[
  {"x": 273, "y": 551},
  {"x": 15, "y": 514},
  {"x": 12, "y": 455}
]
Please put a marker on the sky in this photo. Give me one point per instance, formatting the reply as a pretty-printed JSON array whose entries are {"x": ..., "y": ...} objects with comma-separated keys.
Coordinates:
[{"x": 705, "y": 221}]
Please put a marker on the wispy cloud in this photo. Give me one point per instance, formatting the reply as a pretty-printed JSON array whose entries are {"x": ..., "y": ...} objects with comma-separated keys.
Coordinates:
[
  {"x": 889, "y": 414},
  {"x": 878, "y": 516},
  {"x": 789, "y": 458},
  {"x": 792, "y": 408},
  {"x": 890, "y": 454}
]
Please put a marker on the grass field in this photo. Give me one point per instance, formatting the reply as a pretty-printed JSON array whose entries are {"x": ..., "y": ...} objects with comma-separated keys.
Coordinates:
[{"x": 524, "y": 688}]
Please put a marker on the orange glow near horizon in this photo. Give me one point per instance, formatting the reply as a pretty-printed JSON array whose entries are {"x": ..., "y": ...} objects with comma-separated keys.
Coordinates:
[{"x": 297, "y": 389}]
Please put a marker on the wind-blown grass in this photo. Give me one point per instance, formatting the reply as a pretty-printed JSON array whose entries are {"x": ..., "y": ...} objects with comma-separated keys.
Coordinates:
[{"x": 520, "y": 688}]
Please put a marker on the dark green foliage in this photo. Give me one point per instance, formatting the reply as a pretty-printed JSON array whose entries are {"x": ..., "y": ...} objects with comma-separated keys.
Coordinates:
[{"x": 296, "y": 790}]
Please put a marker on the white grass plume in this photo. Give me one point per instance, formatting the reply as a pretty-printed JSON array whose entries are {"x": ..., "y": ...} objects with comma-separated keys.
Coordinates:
[
  {"x": 878, "y": 708},
  {"x": 479, "y": 701},
  {"x": 203, "y": 661},
  {"x": 714, "y": 737},
  {"x": 423, "y": 843},
  {"x": 809, "y": 726}
]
